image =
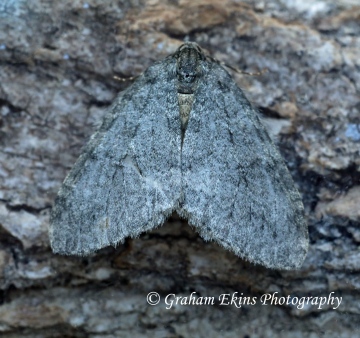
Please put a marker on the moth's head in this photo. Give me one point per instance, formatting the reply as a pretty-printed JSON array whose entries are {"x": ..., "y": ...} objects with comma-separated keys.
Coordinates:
[{"x": 189, "y": 57}]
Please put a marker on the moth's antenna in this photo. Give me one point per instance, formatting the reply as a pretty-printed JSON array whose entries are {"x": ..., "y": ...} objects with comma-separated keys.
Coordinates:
[
  {"x": 237, "y": 70},
  {"x": 125, "y": 79}
]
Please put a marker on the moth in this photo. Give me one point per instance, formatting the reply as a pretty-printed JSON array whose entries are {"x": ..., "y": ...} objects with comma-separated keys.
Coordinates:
[{"x": 183, "y": 137}]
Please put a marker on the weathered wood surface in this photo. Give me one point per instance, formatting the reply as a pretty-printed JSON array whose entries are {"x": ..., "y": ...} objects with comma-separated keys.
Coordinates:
[{"x": 57, "y": 64}]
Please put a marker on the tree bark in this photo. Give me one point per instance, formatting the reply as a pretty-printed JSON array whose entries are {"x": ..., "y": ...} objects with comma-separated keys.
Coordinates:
[{"x": 58, "y": 61}]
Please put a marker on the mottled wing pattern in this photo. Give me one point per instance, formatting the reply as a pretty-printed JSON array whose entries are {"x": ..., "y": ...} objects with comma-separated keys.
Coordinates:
[
  {"x": 128, "y": 178},
  {"x": 237, "y": 189}
]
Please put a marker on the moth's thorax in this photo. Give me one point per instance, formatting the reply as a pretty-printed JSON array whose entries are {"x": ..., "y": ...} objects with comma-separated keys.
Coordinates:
[{"x": 189, "y": 58}]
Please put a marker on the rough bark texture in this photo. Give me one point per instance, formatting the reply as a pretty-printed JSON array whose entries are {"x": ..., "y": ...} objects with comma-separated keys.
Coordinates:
[{"x": 57, "y": 63}]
